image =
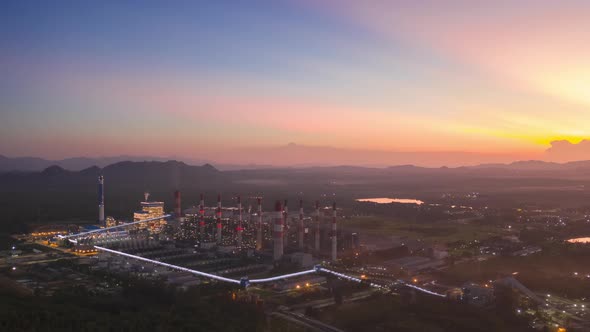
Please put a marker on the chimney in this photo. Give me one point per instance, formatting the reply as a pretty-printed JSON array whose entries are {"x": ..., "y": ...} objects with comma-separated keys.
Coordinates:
[
  {"x": 317, "y": 223},
  {"x": 177, "y": 210},
  {"x": 278, "y": 231},
  {"x": 218, "y": 215},
  {"x": 259, "y": 226},
  {"x": 300, "y": 226},
  {"x": 285, "y": 224},
  {"x": 101, "y": 218},
  {"x": 240, "y": 229},
  {"x": 334, "y": 235},
  {"x": 202, "y": 219}
]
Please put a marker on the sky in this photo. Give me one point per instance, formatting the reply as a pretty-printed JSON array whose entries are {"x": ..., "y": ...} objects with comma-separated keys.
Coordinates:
[{"x": 228, "y": 80}]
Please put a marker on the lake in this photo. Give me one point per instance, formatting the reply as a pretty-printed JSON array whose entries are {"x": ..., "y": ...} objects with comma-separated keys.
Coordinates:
[
  {"x": 385, "y": 200},
  {"x": 579, "y": 240}
]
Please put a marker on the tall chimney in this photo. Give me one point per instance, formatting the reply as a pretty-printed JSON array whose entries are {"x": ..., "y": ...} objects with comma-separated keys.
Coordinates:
[
  {"x": 177, "y": 210},
  {"x": 334, "y": 235},
  {"x": 240, "y": 229},
  {"x": 202, "y": 219},
  {"x": 285, "y": 225},
  {"x": 218, "y": 215},
  {"x": 278, "y": 231},
  {"x": 101, "y": 218},
  {"x": 317, "y": 224},
  {"x": 300, "y": 226},
  {"x": 259, "y": 226}
]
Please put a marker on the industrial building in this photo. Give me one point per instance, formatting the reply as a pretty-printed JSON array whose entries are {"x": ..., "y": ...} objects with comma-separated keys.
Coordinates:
[{"x": 150, "y": 209}]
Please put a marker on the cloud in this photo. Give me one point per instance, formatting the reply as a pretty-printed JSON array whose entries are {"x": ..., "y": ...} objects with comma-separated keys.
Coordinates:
[{"x": 564, "y": 151}]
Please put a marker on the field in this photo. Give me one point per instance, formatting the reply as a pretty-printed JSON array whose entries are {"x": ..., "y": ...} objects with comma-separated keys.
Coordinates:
[
  {"x": 426, "y": 314},
  {"x": 561, "y": 270},
  {"x": 438, "y": 232}
]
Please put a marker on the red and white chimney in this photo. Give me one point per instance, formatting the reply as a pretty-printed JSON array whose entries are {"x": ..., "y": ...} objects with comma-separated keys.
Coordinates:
[
  {"x": 278, "y": 231},
  {"x": 317, "y": 228},
  {"x": 202, "y": 218},
  {"x": 285, "y": 224},
  {"x": 239, "y": 229},
  {"x": 177, "y": 210},
  {"x": 259, "y": 226},
  {"x": 218, "y": 216},
  {"x": 300, "y": 227},
  {"x": 334, "y": 235}
]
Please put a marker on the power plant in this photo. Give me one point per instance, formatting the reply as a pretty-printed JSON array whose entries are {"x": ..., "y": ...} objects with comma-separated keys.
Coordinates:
[{"x": 274, "y": 233}]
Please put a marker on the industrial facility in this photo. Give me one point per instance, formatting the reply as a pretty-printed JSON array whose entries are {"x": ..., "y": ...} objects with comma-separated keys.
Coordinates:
[{"x": 274, "y": 236}]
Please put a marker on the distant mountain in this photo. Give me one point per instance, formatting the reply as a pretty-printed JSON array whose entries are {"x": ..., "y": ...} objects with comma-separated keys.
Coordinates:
[
  {"x": 538, "y": 165},
  {"x": 26, "y": 164},
  {"x": 34, "y": 164},
  {"x": 296, "y": 155},
  {"x": 143, "y": 175},
  {"x": 56, "y": 193}
]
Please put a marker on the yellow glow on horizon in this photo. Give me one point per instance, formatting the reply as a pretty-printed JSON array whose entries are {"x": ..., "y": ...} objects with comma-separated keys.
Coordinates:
[
  {"x": 526, "y": 139},
  {"x": 572, "y": 84}
]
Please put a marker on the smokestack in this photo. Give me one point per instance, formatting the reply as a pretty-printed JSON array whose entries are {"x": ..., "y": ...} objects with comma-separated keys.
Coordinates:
[
  {"x": 240, "y": 229},
  {"x": 300, "y": 227},
  {"x": 218, "y": 214},
  {"x": 177, "y": 210},
  {"x": 317, "y": 223},
  {"x": 202, "y": 219},
  {"x": 278, "y": 231},
  {"x": 285, "y": 224},
  {"x": 334, "y": 235},
  {"x": 101, "y": 218},
  {"x": 259, "y": 226}
]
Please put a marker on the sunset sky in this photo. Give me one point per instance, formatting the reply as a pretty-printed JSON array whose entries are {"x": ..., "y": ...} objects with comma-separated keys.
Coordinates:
[{"x": 217, "y": 80}]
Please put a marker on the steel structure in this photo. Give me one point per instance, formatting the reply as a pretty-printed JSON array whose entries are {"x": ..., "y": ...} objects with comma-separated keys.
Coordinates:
[
  {"x": 114, "y": 227},
  {"x": 246, "y": 282}
]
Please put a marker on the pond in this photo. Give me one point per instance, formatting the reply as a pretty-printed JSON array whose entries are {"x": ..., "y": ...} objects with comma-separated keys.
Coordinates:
[
  {"x": 579, "y": 240},
  {"x": 385, "y": 200}
]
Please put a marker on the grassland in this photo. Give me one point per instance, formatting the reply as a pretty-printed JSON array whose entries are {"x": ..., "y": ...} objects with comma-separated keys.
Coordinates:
[
  {"x": 559, "y": 270},
  {"x": 442, "y": 231}
]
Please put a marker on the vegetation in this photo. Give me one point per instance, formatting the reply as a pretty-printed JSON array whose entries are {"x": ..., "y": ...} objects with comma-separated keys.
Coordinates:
[
  {"x": 553, "y": 270},
  {"x": 442, "y": 231},
  {"x": 424, "y": 313},
  {"x": 141, "y": 307}
]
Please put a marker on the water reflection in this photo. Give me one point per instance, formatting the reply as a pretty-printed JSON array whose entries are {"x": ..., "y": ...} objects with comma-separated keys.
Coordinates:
[
  {"x": 579, "y": 240},
  {"x": 385, "y": 200}
]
